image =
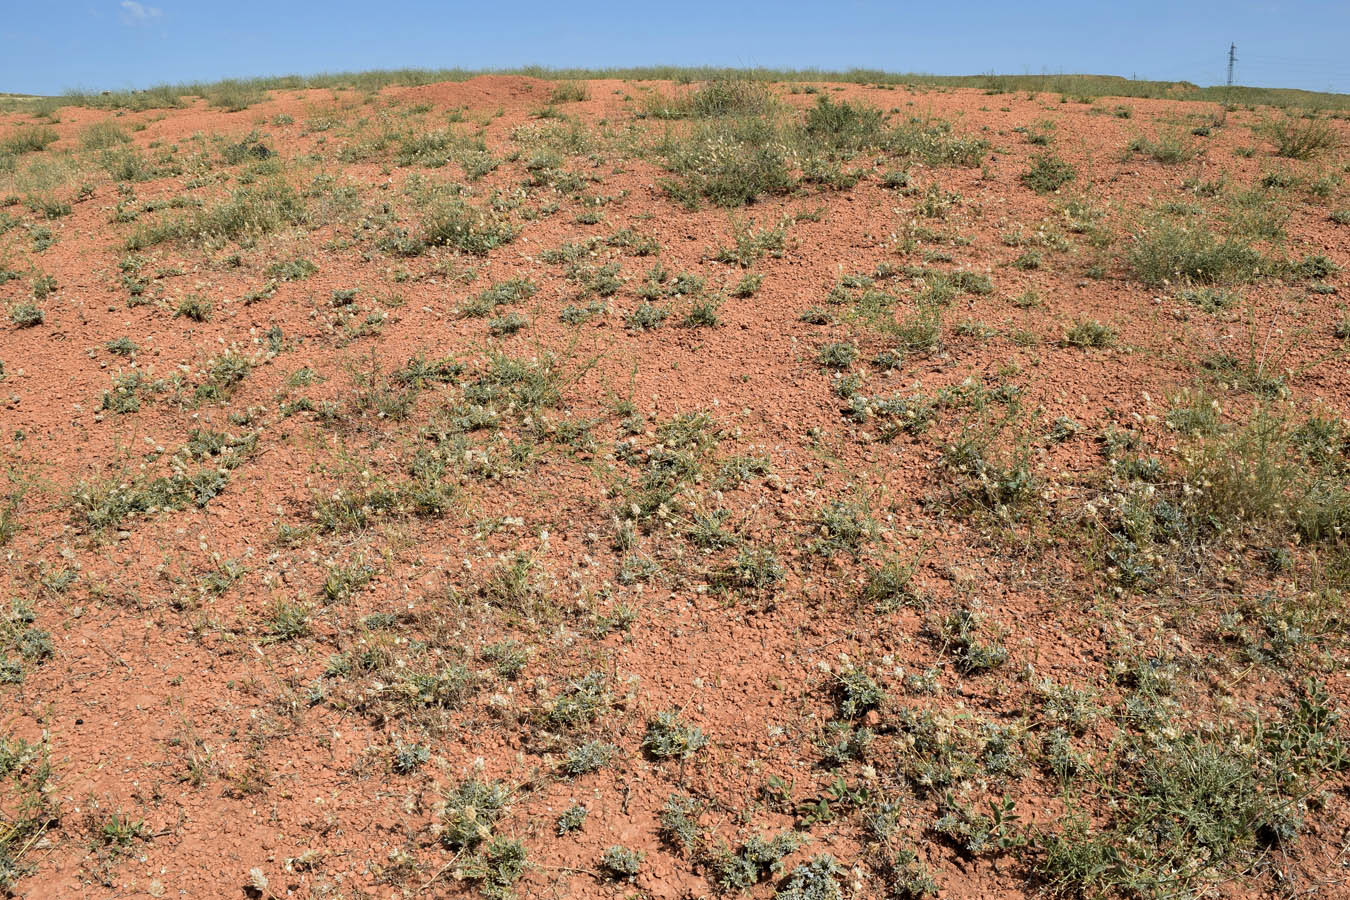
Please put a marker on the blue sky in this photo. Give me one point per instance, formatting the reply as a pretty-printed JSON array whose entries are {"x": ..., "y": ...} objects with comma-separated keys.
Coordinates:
[{"x": 112, "y": 44}]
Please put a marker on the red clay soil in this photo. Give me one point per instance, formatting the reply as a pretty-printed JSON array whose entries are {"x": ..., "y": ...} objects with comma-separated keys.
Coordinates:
[{"x": 175, "y": 697}]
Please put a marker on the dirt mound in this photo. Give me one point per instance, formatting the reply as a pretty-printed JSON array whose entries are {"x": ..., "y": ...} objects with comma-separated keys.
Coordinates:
[{"x": 481, "y": 90}]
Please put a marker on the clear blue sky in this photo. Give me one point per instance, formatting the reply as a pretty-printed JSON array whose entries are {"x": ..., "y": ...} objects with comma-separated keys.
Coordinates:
[{"x": 50, "y": 45}]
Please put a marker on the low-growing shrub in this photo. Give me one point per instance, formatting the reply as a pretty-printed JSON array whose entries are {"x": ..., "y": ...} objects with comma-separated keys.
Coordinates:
[
  {"x": 1300, "y": 138},
  {"x": 1164, "y": 251},
  {"x": 457, "y": 224},
  {"x": 27, "y": 139},
  {"x": 102, "y": 135},
  {"x": 843, "y": 126},
  {"x": 26, "y": 315},
  {"x": 730, "y": 162},
  {"x": 669, "y": 737},
  {"x": 1048, "y": 173}
]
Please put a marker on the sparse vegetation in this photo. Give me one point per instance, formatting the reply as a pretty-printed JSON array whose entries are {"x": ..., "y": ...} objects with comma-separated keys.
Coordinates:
[
  {"x": 669, "y": 737},
  {"x": 1301, "y": 138},
  {"x": 620, "y": 862},
  {"x": 1048, "y": 173},
  {"x": 1170, "y": 148},
  {"x": 102, "y": 136},
  {"x": 26, "y": 315},
  {"x": 27, "y": 139},
  {"x": 1090, "y": 334},
  {"x": 722, "y": 482},
  {"x": 1164, "y": 251}
]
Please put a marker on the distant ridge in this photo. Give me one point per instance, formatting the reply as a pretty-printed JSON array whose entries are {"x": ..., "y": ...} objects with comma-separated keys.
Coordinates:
[{"x": 1070, "y": 85}]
